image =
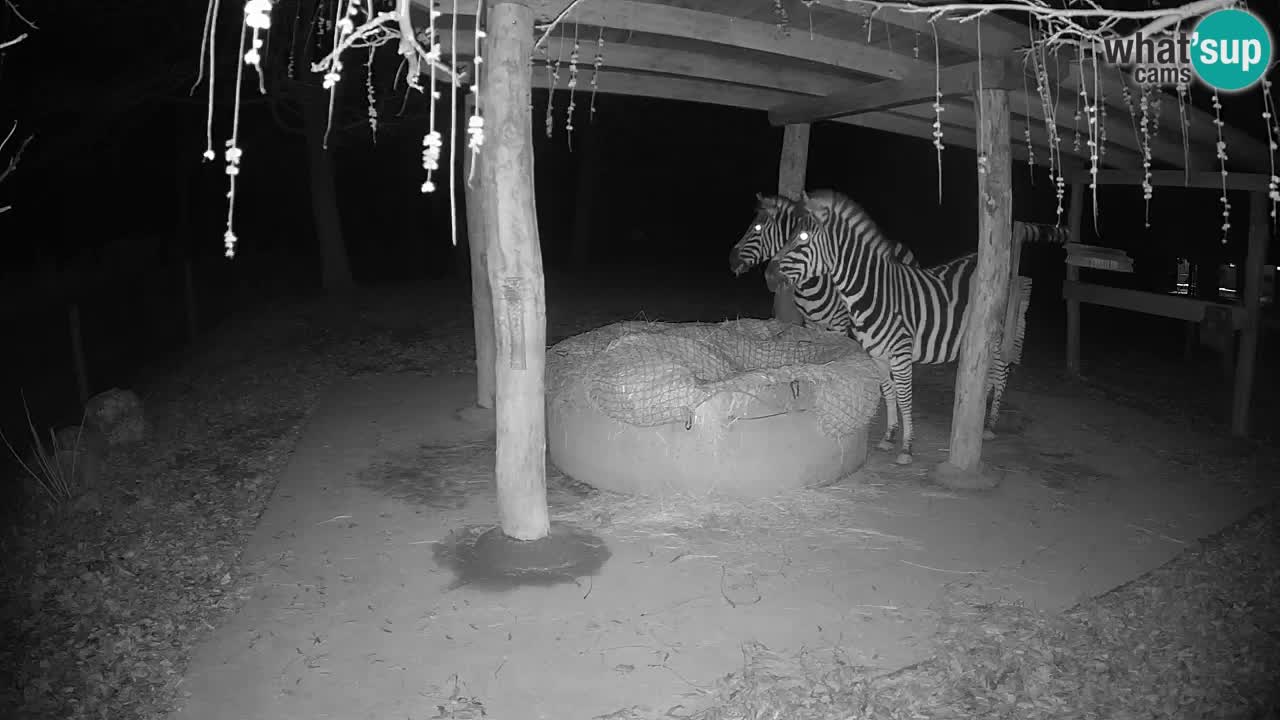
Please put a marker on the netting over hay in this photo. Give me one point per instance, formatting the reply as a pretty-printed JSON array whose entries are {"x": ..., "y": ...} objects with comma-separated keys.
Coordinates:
[{"x": 651, "y": 373}]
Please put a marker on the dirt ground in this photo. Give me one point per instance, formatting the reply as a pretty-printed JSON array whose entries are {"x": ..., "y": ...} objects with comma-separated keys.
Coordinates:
[
  {"x": 273, "y": 550},
  {"x": 354, "y": 615}
]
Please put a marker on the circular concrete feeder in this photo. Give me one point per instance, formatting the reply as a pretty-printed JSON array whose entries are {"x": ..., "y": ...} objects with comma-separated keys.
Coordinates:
[{"x": 734, "y": 444}]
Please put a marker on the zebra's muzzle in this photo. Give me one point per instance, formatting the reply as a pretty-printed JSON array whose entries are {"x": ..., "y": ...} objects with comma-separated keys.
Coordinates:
[{"x": 774, "y": 278}]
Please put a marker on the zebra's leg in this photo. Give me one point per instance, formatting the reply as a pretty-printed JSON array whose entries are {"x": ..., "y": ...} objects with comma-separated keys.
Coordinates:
[
  {"x": 889, "y": 441},
  {"x": 900, "y": 367},
  {"x": 997, "y": 379}
]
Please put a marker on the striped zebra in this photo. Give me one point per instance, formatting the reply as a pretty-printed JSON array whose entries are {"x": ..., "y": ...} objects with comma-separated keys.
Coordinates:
[
  {"x": 901, "y": 313},
  {"x": 775, "y": 219}
]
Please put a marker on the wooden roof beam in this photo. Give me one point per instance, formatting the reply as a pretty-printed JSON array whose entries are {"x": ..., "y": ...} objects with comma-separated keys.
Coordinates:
[
  {"x": 992, "y": 73},
  {"x": 719, "y": 29},
  {"x": 718, "y": 93},
  {"x": 851, "y": 56},
  {"x": 738, "y": 74},
  {"x": 637, "y": 57},
  {"x": 1176, "y": 178},
  {"x": 1000, "y": 36},
  {"x": 684, "y": 63}
]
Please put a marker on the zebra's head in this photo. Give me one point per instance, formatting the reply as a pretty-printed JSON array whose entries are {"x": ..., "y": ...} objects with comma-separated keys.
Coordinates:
[
  {"x": 801, "y": 258},
  {"x": 842, "y": 220},
  {"x": 766, "y": 234}
]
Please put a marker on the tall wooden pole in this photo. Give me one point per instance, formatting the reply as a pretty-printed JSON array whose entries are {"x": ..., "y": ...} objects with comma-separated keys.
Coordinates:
[
  {"x": 1246, "y": 362},
  {"x": 478, "y": 238},
  {"x": 792, "y": 168},
  {"x": 515, "y": 272},
  {"x": 1075, "y": 218},
  {"x": 989, "y": 290}
]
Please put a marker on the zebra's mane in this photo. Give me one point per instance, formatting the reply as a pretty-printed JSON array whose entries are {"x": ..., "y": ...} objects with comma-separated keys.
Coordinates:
[
  {"x": 776, "y": 204},
  {"x": 847, "y": 209}
]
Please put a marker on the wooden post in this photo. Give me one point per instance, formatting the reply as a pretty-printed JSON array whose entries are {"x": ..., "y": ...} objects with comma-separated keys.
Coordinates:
[
  {"x": 1075, "y": 218},
  {"x": 77, "y": 352},
  {"x": 989, "y": 290},
  {"x": 478, "y": 238},
  {"x": 792, "y": 167},
  {"x": 1246, "y": 361},
  {"x": 515, "y": 273}
]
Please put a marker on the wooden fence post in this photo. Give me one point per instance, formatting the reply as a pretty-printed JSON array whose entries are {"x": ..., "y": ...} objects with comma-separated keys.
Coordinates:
[{"x": 1246, "y": 360}]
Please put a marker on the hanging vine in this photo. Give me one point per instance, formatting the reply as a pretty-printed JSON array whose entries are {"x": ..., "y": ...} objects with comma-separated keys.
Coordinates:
[
  {"x": 1273, "y": 143},
  {"x": 937, "y": 107},
  {"x": 340, "y": 25},
  {"x": 432, "y": 142},
  {"x": 553, "y": 79},
  {"x": 1222, "y": 164},
  {"x": 1144, "y": 126},
  {"x": 595, "y": 71},
  {"x": 475, "y": 123},
  {"x": 371, "y": 99},
  {"x": 1090, "y": 129},
  {"x": 573, "y": 86}
]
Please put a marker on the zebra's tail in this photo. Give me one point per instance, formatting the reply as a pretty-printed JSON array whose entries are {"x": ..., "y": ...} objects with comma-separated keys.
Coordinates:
[
  {"x": 1040, "y": 233},
  {"x": 1020, "y": 320}
]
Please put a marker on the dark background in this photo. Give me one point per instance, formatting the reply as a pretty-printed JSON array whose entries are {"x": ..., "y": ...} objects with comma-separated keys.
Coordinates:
[{"x": 114, "y": 183}]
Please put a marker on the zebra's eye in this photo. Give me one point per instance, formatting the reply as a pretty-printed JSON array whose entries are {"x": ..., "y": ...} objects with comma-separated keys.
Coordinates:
[
  {"x": 804, "y": 236},
  {"x": 759, "y": 227}
]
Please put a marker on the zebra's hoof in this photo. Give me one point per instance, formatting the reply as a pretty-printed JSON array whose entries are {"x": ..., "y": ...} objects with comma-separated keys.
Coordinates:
[
  {"x": 903, "y": 459},
  {"x": 988, "y": 434},
  {"x": 885, "y": 445}
]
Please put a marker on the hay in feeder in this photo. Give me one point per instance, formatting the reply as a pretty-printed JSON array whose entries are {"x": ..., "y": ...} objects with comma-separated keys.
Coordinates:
[{"x": 647, "y": 374}]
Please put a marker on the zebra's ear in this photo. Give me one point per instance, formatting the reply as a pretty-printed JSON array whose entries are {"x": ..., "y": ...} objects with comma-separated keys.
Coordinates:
[{"x": 818, "y": 211}]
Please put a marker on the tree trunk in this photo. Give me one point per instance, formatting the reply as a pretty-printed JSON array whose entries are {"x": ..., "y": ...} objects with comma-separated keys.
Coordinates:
[
  {"x": 515, "y": 273},
  {"x": 989, "y": 290},
  {"x": 335, "y": 267}
]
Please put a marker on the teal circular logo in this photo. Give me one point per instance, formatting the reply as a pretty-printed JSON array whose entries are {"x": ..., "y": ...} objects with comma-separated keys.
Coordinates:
[{"x": 1231, "y": 49}]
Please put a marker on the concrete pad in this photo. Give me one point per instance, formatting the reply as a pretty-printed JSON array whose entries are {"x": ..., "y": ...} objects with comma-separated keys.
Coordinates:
[{"x": 353, "y": 617}]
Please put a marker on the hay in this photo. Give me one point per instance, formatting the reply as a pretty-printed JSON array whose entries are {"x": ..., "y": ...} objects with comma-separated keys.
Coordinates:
[{"x": 648, "y": 374}]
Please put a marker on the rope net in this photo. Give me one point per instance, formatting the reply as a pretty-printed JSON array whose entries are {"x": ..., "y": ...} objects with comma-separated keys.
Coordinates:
[{"x": 650, "y": 373}]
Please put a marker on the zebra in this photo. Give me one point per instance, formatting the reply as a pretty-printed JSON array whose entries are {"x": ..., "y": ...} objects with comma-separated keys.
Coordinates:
[
  {"x": 901, "y": 313},
  {"x": 816, "y": 296},
  {"x": 776, "y": 216}
]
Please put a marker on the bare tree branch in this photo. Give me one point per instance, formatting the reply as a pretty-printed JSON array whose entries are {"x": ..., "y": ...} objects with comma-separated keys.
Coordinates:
[{"x": 13, "y": 41}]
